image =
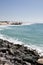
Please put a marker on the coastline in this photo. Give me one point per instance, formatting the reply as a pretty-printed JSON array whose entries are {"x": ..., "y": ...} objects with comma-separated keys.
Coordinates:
[
  {"x": 29, "y": 46},
  {"x": 16, "y": 54},
  {"x": 38, "y": 50},
  {"x": 16, "y": 40}
]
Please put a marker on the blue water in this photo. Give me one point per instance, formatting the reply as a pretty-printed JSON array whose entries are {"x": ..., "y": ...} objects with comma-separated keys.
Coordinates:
[{"x": 28, "y": 34}]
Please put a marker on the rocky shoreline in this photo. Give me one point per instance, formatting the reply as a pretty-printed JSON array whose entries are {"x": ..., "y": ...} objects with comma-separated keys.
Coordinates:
[{"x": 16, "y": 54}]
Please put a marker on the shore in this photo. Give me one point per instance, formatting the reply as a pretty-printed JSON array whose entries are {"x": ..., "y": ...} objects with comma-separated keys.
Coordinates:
[{"x": 16, "y": 54}]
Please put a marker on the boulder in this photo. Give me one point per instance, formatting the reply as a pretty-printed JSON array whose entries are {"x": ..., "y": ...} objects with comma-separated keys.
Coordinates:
[{"x": 40, "y": 61}]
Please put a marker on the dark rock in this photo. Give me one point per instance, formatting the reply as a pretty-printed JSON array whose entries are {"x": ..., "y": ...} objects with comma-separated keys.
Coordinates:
[
  {"x": 8, "y": 63},
  {"x": 1, "y": 41},
  {"x": 18, "y": 59}
]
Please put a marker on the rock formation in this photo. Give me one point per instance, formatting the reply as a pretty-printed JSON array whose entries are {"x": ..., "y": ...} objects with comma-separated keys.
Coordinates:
[{"x": 16, "y": 54}]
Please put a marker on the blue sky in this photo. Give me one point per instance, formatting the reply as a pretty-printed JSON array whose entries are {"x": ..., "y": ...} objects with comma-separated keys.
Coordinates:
[{"x": 21, "y": 10}]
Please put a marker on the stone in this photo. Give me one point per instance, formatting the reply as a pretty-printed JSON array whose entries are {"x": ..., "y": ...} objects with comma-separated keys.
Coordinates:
[
  {"x": 9, "y": 57},
  {"x": 29, "y": 58},
  {"x": 11, "y": 51},
  {"x": 2, "y": 58},
  {"x": 6, "y": 64},
  {"x": 1, "y": 41},
  {"x": 28, "y": 63},
  {"x": 18, "y": 59},
  {"x": 40, "y": 61}
]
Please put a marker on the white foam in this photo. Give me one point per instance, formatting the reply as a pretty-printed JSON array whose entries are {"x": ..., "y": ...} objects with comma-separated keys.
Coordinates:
[
  {"x": 35, "y": 47},
  {"x": 15, "y": 41}
]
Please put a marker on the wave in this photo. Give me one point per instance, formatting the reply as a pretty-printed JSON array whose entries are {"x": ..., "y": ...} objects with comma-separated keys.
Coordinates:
[{"x": 16, "y": 41}]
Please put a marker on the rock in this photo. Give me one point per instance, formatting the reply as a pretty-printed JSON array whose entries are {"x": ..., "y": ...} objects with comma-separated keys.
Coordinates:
[
  {"x": 3, "y": 49},
  {"x": 33, "y": 52},
  {"x": 30, "y": 58},
  {"x": 6, "y": 64},
  {"x": 6, "y": 44},
  {"x": 28, "y": 63},
  {"x": 17, "y": 63},
  {"x": 2, "y": 59},
  {"x": 1, "y": 41},
  {"x": 9, "y": 57},
  {"x": 11, "y": 51},
  {"x": 18, "y": 59},
  {"x": 40, "y": 61},
  {"x": 18, "y": 46}
]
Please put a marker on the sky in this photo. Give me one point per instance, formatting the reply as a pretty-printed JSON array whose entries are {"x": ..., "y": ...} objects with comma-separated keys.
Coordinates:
[{"x": 21, "y": 10}]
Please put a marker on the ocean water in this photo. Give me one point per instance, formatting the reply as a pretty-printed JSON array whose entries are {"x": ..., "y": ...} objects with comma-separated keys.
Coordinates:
[{"x": 29, "y": 35}]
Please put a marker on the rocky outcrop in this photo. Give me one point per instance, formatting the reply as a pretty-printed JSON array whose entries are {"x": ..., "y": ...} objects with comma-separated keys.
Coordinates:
[{"x": 16, "y": 54}]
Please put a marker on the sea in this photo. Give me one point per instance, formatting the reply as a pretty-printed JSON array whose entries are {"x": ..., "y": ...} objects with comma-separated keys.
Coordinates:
[{"x": 28, "y": 35}]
